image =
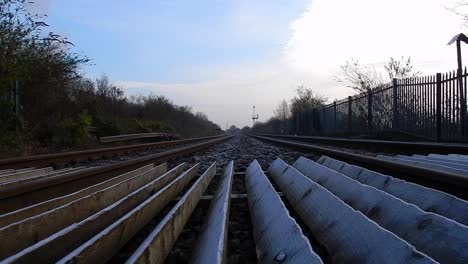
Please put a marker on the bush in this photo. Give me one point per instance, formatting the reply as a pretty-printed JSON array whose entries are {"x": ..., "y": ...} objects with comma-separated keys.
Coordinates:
[
  {"x": 73, "y": 131},
  {"x": 57, "y": 103}
]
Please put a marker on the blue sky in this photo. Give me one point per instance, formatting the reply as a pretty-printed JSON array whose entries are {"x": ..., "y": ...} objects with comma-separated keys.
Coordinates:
[
  {"x": 222, "y": 56},
  {"x": 174, "y": 41}
]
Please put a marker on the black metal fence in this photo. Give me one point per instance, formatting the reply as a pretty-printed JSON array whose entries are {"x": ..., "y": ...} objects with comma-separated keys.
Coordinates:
[{"x": 429, "y": 107}]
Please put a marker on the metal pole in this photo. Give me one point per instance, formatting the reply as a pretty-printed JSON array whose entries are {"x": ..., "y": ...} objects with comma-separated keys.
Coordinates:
[
  {"x": 253, "y": 116},
  {"x": 334, "y": 117},
  {"x": 395, "y": 123},
  {"x": 439, "y": 106},
  {"x": 350, "y": 113},
  {"x": 369, "y": 111},
  {"x": 461, "y": 90}
]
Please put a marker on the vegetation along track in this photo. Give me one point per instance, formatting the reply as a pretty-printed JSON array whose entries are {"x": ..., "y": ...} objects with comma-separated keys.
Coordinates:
[{"x": 242, "y": 201}]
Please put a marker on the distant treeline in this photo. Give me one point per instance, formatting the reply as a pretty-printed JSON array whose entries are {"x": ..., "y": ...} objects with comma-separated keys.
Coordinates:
[
  {"x": 297, "y": 115},
  {"x": 288, "y": 116},
  {"x": 57, "y": 104}
]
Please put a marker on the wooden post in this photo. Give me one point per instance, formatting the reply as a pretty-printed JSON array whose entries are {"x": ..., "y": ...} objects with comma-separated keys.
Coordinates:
[
  {"x": 439, "y": 106},
  {"x": 334, "y": 117},
  {"x": 350, "y": 113},
  {"x": 369, "y": 111}
]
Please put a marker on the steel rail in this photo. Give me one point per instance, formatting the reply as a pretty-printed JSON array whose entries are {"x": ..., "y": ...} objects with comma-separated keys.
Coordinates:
[
  {"x": 453, "y": 183},
  {"x": 348, "y": 235},
  {"x": 157, "y": 193},
  {"x": 417, "y": 227},
  {"x": 119, "y": 138},
  {"x": 278, "y": 237},
  {"x": 397, "y": 146},
  {"x": 32, "y": 229},
  {"x": 48, "y": 188},
  {"x": 75, "y": 156},
  {"x": 157, "y": 245},
  {"x": 428, "y": 199},
  {"x": 39, "y": 208},
  {"x": 212, "y": 243}
]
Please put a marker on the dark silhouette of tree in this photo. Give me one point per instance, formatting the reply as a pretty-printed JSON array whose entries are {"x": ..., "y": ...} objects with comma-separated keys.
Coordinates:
[
  {"x": 362, "y": 78},
  {"x": 57, "y": 104}
]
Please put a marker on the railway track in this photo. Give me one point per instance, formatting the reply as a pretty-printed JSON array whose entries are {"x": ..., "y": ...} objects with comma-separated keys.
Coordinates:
[
  {"x": 15, "y": 195},
  {"x": 141, "y": 136},
  {"x": 448, "y": 180},
  {"x": 305, "y": 211},
  {"x": 399, "y": 147},
  {"x": 92, "y": 154}
]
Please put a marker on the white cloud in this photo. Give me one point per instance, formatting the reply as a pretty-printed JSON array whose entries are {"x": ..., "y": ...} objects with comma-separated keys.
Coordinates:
[
  {"x": 229, "y": 97},
  {"x": 327, "y": 34},
  {"x": 333, "y": 31}
]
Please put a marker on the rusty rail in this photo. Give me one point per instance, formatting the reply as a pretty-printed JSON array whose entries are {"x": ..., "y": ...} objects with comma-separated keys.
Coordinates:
[
  {"x": 43, "y": 189},
  {"x": 91, "y": 154},
  {"x": 453, "y": 183},
  {"x": 387, "y": 145},
  {"x": 127, "y": 137},
  {"x": 150, "y": 208}
]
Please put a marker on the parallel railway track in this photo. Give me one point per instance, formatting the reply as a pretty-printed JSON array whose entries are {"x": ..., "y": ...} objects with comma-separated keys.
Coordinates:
[
  {"x": 91, "y": 154},
  {"x": 447, "y": 180},
  {"x": 324, "y": 211},
  {"x": 43, "y": 188},
  {"x": 380, "y": 145}
]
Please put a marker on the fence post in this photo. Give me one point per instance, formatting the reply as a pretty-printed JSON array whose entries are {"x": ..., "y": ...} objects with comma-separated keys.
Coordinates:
[
  {"x": 462, "y": 99},
  {"x": 350, "y": 112},
  {"x": 439, "y": 106},
  {"x": 369, "y": 111},
  {"x": 334, "y": 117},
  {"x": 396, "y": 116},
  {"x": 322, "y": 121}
]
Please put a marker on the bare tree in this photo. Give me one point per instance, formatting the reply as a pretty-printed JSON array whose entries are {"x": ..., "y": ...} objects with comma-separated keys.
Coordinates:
[
  {"x": 281, "y": 113},
  {"x": 306, "y": 99},
  {"x": 400, "y": 68},
  {"x": 282, "y": 110},
  {"x": 363, "y": 78},
  {"x": 360, "y": 78},
  {"x": 461, "y": 9}
]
